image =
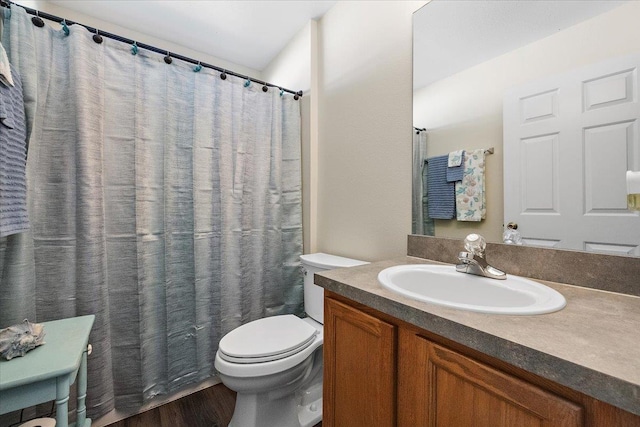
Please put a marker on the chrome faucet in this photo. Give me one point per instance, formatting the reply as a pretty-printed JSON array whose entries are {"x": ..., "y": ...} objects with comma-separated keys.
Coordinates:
[{"x": 472, "y": 260}]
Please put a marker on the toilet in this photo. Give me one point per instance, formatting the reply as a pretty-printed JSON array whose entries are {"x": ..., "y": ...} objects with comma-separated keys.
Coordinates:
[{"x": 275, "y": 364}]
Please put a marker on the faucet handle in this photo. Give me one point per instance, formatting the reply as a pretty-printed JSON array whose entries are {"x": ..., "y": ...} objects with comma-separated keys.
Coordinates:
[{"x": 475, "y": 244}]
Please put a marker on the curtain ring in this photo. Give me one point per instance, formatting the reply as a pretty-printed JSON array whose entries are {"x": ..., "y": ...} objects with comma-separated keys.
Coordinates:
[
  {"x": 97, "y": 37},
  {"x": 168, "y": 59},
  {"x": 197, "y": 68},
  {"x": 37, "y": 21},
  {"x": 134, "y": 48},
  {"x": 281, "y": 92},
  {"x": 247, "y": 83},
  {"x": 65, "y": 28},
  {"x": 223, "y": 75}
]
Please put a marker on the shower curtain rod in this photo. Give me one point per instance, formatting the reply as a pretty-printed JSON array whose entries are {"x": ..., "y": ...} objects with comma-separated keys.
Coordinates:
[{"x": 38, "y": 14}]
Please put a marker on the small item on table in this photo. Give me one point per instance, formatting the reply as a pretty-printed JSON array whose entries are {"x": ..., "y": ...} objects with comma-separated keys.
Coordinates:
[{"x": 18, "y": 339}]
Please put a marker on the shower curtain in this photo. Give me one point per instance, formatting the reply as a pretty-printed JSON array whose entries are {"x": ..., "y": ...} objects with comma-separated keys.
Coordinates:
[
  {"x": 421, "y": 223},
  {"x": 165, "y": 201}
]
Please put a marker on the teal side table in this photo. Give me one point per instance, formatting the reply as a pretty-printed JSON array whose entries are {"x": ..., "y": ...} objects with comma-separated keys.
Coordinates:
[{"x": 47, "y": 372}]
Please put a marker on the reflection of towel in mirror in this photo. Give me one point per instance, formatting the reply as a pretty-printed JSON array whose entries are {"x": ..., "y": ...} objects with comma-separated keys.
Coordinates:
[
  {"x": 442, "y": 203},
  {"x": 470, "y": 192},
  {"x": 455, "y": 166},
  {"x": 455, "y": 158}
]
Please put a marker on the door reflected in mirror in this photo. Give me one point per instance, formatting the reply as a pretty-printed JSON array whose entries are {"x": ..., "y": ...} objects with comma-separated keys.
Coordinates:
[{"x": 553, "y": 87}]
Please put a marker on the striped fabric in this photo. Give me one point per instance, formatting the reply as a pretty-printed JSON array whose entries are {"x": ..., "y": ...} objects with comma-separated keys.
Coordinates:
[
  {"x": 13, "y": 159},
  {"x": 442, "y": 202}
]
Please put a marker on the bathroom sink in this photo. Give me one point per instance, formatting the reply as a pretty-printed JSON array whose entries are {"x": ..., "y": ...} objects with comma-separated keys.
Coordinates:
[{"x": 443, "y": 285}]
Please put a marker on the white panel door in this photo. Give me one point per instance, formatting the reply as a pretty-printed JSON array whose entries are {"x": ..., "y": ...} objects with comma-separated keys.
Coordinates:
[{"x": 568, "y": 142}]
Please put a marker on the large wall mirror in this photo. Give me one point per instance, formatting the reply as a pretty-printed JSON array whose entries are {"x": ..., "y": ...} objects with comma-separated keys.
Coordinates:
[{"x": 553, "y": 88}]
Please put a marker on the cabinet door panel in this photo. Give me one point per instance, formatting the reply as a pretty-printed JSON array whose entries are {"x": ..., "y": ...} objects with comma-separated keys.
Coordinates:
[
  {"x": 359, "y": 366},
  {"x": 462, "y": 392}
]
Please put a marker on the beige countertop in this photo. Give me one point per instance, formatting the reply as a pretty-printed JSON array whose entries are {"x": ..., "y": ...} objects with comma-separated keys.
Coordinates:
[{"x": 592, "y": 345}]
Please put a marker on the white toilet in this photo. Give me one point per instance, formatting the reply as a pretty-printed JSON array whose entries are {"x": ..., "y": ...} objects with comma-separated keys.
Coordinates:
[{"x": 275, "y": 364}]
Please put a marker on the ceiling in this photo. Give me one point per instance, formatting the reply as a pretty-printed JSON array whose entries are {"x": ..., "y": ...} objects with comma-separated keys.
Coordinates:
[
  {"x": 248, "y": 33},
  {"x": 453, "y": 35}
]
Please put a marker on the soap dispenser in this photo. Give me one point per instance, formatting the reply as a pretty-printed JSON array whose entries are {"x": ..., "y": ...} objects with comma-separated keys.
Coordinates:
[{"x": 511, "y": 235}]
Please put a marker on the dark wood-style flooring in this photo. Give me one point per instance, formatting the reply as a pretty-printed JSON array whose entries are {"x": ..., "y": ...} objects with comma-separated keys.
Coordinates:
[{"x": 211, "y": 407}]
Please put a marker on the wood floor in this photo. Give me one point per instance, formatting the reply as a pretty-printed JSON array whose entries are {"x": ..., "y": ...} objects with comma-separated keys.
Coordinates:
[{"x": 211, "y": 407}]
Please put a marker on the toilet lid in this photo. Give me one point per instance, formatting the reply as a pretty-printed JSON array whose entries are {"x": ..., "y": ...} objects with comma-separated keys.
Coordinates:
[{"x": 267, "y": 339}]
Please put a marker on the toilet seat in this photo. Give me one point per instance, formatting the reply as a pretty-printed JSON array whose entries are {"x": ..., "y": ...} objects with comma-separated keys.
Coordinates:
[
  {"x": 248, "y": 370},
  {"x": 267, "y": 339}
]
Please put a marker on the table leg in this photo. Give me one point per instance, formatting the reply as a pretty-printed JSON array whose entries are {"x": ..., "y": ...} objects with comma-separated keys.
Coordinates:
[
  {"x": 62, "y": 401},
  {"x": 82, "y": 391}
]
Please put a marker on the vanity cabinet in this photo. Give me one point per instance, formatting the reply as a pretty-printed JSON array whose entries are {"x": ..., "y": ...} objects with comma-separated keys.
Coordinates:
[
  {"x": 381, "y": 371},
  {"x": 359, "y": 368},
  {"x": 441, "y": 387}
]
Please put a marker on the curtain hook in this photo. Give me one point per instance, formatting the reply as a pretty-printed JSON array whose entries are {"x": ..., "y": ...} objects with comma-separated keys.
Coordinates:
[
  {"x": 134, "y": 48},
  {"x": 247, "y": 83},
  {"x": 37, "y": 21},
  {"x": 65, "y": 28},
  {"x": 197, "y": 68},
  {"x": 97, "y": 37},
  {"x": 168, "y": 59}
]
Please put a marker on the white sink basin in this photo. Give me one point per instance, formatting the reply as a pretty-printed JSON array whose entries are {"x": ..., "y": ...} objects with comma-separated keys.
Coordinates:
[{"x": 443, "y": 285}]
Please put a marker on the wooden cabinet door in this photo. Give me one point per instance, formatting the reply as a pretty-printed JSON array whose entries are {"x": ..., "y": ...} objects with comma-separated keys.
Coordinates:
[
  {"x": 359, "y": 368},
  {"x": 442, "y": 388}
]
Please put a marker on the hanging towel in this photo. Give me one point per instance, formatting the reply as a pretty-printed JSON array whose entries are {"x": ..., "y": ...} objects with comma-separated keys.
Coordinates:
[
  {"x": 470, "y": 192},
  {"x": 441, "y": 193},
  {"x": 13, "y": 159},
  {"x": 455, "y": 158},
  {"x": 5, "y": 68},
  {"x": 455, "y": 167}
]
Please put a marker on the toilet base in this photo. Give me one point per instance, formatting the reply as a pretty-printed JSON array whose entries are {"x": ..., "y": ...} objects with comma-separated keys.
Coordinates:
[
  {"x": 310, "y": 407},
  {"x": 284, "y": 407},
  {"x": 282, "y": 413}
]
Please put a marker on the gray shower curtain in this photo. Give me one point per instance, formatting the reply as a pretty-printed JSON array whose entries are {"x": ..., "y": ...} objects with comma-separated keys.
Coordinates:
[
  {"x": 421, "y": 223},
  {"x": 165, "y": 201}
]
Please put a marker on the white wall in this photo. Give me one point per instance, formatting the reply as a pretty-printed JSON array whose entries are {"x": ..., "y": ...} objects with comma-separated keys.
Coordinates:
[
  {"x": 291, "y": 68},
  {"x": 295, "y": 68},
  {"x": 364, "y": 148},
  {"x": 465, "y": 110}
]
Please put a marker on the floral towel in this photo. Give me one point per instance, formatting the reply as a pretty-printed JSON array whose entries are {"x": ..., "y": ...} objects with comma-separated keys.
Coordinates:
[{"x": 470, "y": 192}]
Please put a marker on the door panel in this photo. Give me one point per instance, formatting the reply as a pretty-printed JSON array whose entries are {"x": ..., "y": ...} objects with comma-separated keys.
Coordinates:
[{"x": 568, "y": 141}]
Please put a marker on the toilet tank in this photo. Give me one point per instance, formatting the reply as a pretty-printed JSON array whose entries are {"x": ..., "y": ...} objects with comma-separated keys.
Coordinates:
[{"x": 313, "y": 294}]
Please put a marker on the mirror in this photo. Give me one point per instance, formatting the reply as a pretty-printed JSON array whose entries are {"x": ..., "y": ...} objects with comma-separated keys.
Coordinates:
[{"x": 473, "y": 57}]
